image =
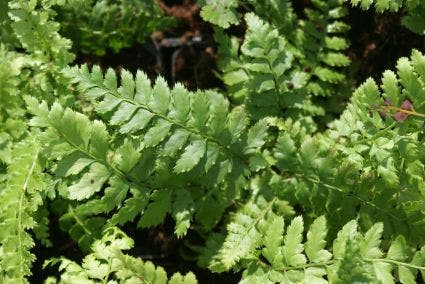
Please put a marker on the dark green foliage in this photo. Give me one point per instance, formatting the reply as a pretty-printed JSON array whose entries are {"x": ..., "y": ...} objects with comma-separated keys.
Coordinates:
[
  {"x": 290, "y": 62},
  {"x": 94, "y": 26},
  {"x": 255, "y": 182}
]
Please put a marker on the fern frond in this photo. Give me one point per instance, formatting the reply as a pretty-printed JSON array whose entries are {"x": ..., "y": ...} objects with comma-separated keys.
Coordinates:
[
  {"x": 279, "y": 13},
  {"x": 86, "y": 164},
  {"x": 352, "y": 169},
  {"x": 286, "y": 258},
  {"x": 195, "y": 129},
  {"x": 38, "y": 33},
  {"x": 321, "y": 37},
  {"x": 22, "y": 195},
  {"x": 107, "y": 262},
  {"x": 243, "y": 233},
  {"x": 382, "y": 5},
  {"x": 219, "y": 12},
  {"x": 264, "y": 73}
]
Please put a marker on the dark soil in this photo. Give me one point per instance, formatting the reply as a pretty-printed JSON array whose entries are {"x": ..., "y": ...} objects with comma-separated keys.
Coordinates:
[{"x": 377, "y": 41}]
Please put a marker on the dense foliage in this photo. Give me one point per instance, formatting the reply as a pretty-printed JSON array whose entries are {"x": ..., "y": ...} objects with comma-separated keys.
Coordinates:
[{"x": 279, "y": 180}]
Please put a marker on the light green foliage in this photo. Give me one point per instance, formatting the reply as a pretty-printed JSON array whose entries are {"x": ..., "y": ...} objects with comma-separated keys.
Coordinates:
[
  {"x": 281, "y": 255},
  {"x": 21, "y": 195},
  {"x": 110, "y": 24},
  {"x": 221, "y": 13},
  {"x": 46, "y": 52},
  {"x": 107, "y": 263},
  {"x": 37, "y": 33},
  {"x": 11, "y": 125}
]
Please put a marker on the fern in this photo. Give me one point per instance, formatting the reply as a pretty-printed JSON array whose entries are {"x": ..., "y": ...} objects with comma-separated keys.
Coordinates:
[
  {"x": 285, "y": 258},
  {"x": 265, "y": 67},
  {"x": 221, "y": 13},
  {"x": 321, "y": 38},
  {"x": 82, "y": 149},
  {"x": 358, "y": 175},
  {"x": 38, "y": 33},
  {"x": 21, "y": 195},
  {"x": 243, "y": 233},
  {"x": 108, "y": 263},
  {"x": 290, "y": 65},
  {"x": 110, "y": 24},
  {"x": 276, "y": 190},
  {"x": 196, "y": 131},
  {"x": 413, "y": 20}
]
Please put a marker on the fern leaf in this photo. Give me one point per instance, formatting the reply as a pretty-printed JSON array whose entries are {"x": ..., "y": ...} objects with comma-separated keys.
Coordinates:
[
  {"x": 293, "y": 248},
  {"x": 243, "y": 236},
  {"x": 221, "y": 13},
  {"x": 273, "y": 241},
  {"x": 370, "y": 247},
  {"x": 315, "y": 244},
  {"x": 156, "y": 211},
  {"x": 21, "y": 197},
  {"x": 171, "y": 120},
  {"x": 183, "y": 207},
  {"x": 90, "y": 183}
]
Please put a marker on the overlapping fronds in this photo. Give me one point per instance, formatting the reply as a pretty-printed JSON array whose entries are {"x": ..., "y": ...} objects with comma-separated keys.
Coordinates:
[
  {"x": 264, "y": 76},
  {"x": 282, "y": 254}
]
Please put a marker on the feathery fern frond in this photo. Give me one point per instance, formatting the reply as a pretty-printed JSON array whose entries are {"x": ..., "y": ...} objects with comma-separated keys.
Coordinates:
[
  {"x": 287, "y": 258},
  {"x": 22, "y": 195},
  {"x": 264, "y": 74},
  {"x": 352, "y": 169},
  {"x": 38, "y": 33},
  {"x": 243, "y": 232},
  {"x": 196, "y": 130},
  {"x": 108, "y": 263}
]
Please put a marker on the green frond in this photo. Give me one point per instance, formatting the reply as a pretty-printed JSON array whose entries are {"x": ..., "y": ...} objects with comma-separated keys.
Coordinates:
[
  {"x": 280, "y": 254},
  {"x": 264, "y": 73},
  {"x": 107, "y": 262},
  {"x": 321, "y": 37},
  {"x": 196, "y": 130},
  {"x": 243, "y": 235},
  {"x": 38, "y": 33},
  {"x": 219, "y": 12},
  {"x": 22, "y": 195}
]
